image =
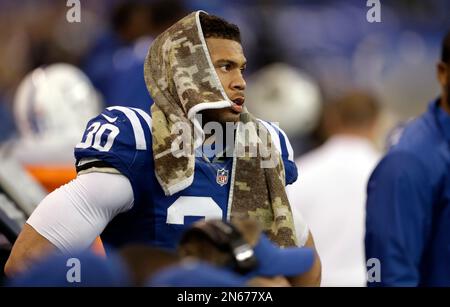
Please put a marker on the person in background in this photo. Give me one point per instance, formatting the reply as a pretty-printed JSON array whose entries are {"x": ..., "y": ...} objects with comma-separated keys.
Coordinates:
[
  {"x": 129, "y": 21},
  {"x": 408, "y": 203},
  {"x": 115, "y": 62},
  {"x": 330, "y": 191}
]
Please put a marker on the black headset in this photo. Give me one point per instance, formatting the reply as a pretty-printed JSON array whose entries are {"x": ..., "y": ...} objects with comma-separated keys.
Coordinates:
[{"x": 226, "y": 238}]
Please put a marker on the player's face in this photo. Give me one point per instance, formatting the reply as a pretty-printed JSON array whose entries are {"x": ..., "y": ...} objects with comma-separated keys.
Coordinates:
[{"x": 229, "y": 61}]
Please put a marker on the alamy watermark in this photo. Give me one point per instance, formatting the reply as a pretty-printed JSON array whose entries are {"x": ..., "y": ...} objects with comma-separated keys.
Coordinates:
[
  {"x": 230, "y": 139},
  {"x": 373, "y": 270},
  {"x": 74, "y": 12},
  {"x": 374, "y": 13},
  {"x": 74, "y": 273}
]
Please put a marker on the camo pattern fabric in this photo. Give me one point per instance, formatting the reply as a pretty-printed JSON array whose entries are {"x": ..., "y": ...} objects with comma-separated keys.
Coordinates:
[
  {"x": 182, "y": 81},
  {"x": 258, "y": 187}
]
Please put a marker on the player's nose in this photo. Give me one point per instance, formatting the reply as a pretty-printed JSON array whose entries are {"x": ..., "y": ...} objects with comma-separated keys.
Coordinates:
[{"x": 238, "y": 82}]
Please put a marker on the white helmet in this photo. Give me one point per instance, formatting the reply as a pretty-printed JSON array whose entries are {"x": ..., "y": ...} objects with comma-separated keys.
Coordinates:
[
  {"x": 280, "y": 93},
  {"x": 55, "y": 102}
]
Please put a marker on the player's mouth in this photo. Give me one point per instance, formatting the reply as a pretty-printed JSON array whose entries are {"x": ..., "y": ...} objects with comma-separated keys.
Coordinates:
[{"x": 238, "y": 103}]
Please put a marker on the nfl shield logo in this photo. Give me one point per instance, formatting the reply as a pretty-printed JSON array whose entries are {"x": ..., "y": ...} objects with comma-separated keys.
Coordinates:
[{"x": 222, "y": 177}]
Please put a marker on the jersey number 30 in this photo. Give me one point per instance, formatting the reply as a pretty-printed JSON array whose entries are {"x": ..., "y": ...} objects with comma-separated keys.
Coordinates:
[{"x": 94, "y": 136}]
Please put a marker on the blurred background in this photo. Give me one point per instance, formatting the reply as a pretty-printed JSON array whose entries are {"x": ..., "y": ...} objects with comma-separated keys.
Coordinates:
[{"x": 302, "y": 55}]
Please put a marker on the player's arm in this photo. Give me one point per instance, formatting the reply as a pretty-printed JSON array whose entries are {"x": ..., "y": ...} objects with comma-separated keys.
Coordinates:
[
  {"x": 398, "y": 218},
  {"x": 70, "y": 218},
  {"x": 312, "y": 278},
  {"x": 29, "y": 247}
]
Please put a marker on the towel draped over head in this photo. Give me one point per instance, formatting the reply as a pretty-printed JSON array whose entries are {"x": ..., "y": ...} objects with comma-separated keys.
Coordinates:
[{"x": 182, "y": 81}]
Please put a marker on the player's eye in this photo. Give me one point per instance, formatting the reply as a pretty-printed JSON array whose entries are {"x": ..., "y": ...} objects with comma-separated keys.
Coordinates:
[{"x": 225, "y": 67}]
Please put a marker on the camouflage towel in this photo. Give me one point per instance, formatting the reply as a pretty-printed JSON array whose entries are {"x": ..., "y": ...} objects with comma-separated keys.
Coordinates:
[{"x": 182, "y": 81}]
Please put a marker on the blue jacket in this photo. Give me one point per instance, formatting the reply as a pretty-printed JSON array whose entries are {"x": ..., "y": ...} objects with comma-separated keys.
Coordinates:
[{"x": 408, "y": 205}]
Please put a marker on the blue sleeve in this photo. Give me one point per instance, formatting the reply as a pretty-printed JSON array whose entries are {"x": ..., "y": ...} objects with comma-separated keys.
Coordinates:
[
  {"x": 281, "y": 141},
  {"x": 399, "y": 209},
  {"x": 118, "y": 137}
]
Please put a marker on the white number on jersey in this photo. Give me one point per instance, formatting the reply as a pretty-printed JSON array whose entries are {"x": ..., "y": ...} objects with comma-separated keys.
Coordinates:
[
  {"x": 193, "y": 206},
  {"x": 97, "y": 130}
]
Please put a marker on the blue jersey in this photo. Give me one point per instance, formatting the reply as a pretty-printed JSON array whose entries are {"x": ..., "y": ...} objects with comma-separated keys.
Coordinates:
[
  {"x": 408, "y": 205},
  {"x": 120, "y": 138}
]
